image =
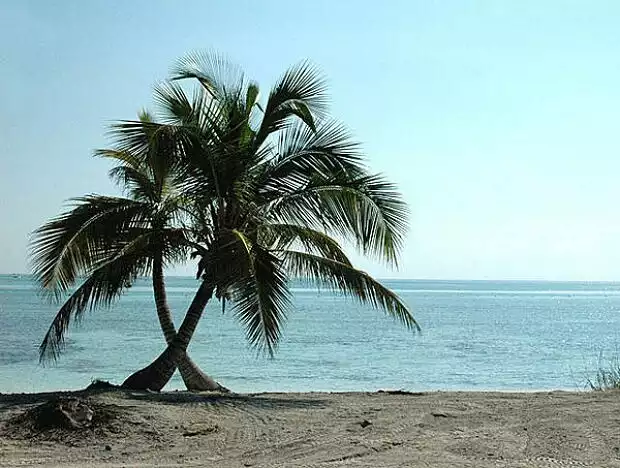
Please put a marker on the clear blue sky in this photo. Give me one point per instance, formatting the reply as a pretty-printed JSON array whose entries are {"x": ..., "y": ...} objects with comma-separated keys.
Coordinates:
[{"x": 499, "y": 120}]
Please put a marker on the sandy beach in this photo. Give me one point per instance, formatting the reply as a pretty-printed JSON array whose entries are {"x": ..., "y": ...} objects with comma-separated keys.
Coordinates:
[{"x": 437, "y": 429}]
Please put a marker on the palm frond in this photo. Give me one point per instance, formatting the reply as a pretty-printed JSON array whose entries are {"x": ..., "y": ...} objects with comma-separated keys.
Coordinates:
[
  {"x": 253, "y": 112},
  {"x": 123, "y": 157},
  {"x": 134, "y": 183},
  {"x": 212, "y": 131},
  {"x": 198, "y": 116},
  {"x": 105, "y": 284},
  {"x": 301, "y": 93},
  {"x": 132, "y": 174},
  {"x": 331, "y": 144},
  {"x": 251, "y": 97},
  {"x": 143, "y": 143},
  {"x": 149, "y": 156},
  {"x": 350, "y": 281},
  {"x": 367, "y": 211},
  {"x": 220, "y": 77},
  {"x": 173, "y": 243},
  {"x": 174, "y": 104},
  {"x": 71, "y": 244},
  {"x": 132, "y": 136},
  {"x": 303, "y": 155},
  {"x": 283, "y": 236},
  {"x": 262, "y": 299}
]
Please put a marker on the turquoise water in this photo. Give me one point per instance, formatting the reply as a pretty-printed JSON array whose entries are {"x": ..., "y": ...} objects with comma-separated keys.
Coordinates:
[{"x": 476, "y": 335}]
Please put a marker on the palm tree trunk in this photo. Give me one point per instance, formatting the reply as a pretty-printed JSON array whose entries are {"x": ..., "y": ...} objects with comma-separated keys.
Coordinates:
[
  {"x": 193, "y": 377},
  {"x": 157, "y": 374},
  {"x": 161, "y": 369}
]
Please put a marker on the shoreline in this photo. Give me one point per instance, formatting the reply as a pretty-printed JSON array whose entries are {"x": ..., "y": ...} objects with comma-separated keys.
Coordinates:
[
  {"x": 326, "y": 392},
  {"x": 40, "y": 396},
  {"x": 390, "y": 428}
]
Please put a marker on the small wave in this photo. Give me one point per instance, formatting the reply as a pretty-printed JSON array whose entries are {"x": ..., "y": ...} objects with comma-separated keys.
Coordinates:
[
  {"x": 169, "y": 289},
  {"x": 20, "y": 287}
]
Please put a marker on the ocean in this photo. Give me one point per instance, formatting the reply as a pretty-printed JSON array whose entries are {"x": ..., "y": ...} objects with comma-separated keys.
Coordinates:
[{"x": 476, "y": 335}]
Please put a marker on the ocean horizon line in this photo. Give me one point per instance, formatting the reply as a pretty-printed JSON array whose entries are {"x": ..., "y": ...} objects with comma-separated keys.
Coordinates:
[{"x": 420, "y": 280}]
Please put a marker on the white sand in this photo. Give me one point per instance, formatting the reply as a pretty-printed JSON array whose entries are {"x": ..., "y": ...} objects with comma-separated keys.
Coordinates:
[{"x": 324, "y": 430}]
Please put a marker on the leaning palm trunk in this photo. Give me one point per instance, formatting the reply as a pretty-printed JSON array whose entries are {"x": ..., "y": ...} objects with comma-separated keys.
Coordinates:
[
  {"x": 157, "y": 374},
  {"x": 193, "y": 377}
]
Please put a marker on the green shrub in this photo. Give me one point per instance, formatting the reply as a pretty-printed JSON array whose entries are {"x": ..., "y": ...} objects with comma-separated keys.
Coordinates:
[{"x": 607, "y": 376}]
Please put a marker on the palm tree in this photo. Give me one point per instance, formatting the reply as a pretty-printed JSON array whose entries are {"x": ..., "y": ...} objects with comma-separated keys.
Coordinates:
[
  {"x": 113, "y": 240},
  {"x": 273, "y": 189}
]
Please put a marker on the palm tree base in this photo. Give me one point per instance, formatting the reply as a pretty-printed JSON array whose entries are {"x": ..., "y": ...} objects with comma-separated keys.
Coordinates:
[
  {"x": 195, "y": 379},
  {"x": 154, "y": 376},
  {"x": 157, "y": 374}
]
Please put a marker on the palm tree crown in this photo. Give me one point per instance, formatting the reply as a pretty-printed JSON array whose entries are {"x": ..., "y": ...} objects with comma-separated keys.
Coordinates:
[{"x": 276, "y": 185}]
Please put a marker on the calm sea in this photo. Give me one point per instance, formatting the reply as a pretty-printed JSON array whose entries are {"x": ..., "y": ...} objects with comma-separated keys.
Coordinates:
[{"x": 477, "y": 335}]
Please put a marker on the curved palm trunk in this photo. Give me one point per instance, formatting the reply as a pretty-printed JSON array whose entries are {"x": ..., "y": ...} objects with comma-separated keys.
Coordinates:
[
  {"x": 157, "y": 374},
  {"x": 193, "y": 377}
]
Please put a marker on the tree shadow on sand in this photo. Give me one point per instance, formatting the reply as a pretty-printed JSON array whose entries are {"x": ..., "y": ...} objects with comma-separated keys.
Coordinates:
[{"x": 256, "y": 401}]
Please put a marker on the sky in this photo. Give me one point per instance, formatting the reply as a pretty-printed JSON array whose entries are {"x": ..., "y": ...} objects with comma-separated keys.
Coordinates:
[{"x": 498, "y": 120}]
